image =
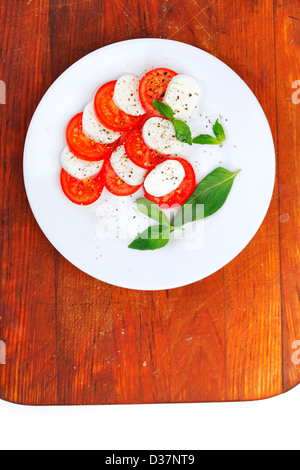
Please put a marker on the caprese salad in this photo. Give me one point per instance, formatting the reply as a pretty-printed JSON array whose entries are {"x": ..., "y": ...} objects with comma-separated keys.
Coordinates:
[
  {"x": 132, "y": 135},
  {"x": 122, "y": 142}
]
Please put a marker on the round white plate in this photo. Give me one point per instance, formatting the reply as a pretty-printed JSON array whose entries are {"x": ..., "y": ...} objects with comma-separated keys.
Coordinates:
[{"x": 96, "y": 238}]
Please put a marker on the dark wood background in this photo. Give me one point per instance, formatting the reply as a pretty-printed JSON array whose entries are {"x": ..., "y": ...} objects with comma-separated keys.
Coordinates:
[{"x": 73, "y": 340}]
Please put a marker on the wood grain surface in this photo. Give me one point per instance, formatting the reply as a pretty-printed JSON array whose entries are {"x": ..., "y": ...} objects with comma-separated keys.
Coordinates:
[{"x": 73, "y": 340}]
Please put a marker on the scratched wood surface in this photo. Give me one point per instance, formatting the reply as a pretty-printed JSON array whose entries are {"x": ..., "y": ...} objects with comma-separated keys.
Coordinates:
[{"x": 73, "y": 340}]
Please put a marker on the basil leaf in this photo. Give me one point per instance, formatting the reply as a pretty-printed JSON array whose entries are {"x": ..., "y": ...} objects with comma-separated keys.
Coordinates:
[
  {"x": 219, "y": 132},
  {"x": 163, "y": 109},
  {"x": 211, "y": 192},
  {"x": 152, "y": 210},
  {"x": 204, "y": 139},
  {"x": 153, "y": 238},
  {"x": 183, "y": 132}
]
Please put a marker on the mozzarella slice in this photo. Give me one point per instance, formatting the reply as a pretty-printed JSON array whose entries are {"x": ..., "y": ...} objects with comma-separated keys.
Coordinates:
[
  {"x": 165, "y": 178},
  {"x": 159, "y": 134},
  {"x": 94, "y": 130},
  {"x": 126, "y": 169},
  {"x": 78, "y": 168},
  {"x": 182, "y": 95},
  {"x": 126, "y": 95}
]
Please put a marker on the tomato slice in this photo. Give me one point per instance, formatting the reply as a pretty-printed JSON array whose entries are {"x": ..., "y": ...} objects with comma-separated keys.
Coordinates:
[
  {"x": 109, "y": 114},
  {"x": 180, "y": 195},
  {"x": 82, "y": 192},
  {"x": 139, "y": 153},
  {"x": 83, "y": 147},
  {"x": 153, "y": 86},
  {"x": 116, "y": 185}
]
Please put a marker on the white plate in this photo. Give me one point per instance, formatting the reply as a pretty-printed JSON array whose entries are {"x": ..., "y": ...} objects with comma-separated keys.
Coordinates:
[{"x": 80, "y": 234}]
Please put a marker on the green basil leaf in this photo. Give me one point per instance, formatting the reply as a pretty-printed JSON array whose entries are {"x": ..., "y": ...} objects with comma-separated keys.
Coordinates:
[
  {"x": 219, "y": 132},
  {"x": 204, "y": 139},
  {"x": 163, "y": 109},
  {"x": 183, "y": 132},
  {"x": 153, "y": 238},
  {"x": 211, "y": 193},
  {"x": 152, "y": 210}
]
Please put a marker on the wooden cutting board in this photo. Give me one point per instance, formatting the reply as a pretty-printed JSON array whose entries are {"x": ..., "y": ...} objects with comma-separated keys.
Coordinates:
[{"x": 70, "y": 339}]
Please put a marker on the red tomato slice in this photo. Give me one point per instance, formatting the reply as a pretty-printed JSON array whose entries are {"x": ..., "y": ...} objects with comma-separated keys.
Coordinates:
[
  {"x": 83, "y": 147},
  {"x": 139, "y": 153},
  {"x": 109, "y": 114},
  {"x": 82, "y": 192},
  {"x": 116, "y": 185},
  {"x": 153, "y": 86},
  {"x": 180, "y": 195}
]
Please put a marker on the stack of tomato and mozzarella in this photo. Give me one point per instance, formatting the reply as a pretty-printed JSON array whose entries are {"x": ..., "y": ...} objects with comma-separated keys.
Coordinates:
[{"x": 121, "y": 142}]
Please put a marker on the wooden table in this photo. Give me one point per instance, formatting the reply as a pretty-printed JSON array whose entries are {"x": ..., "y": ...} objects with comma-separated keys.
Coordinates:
[{"x": 73, "y": 340}]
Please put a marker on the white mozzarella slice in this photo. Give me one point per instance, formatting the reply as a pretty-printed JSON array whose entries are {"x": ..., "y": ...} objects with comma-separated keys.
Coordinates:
[
  {"x": 159, "y": 134},
  {"x": 126, "y": 169},
  {"x": 126, "y": 95},
  {"x": 165, "y": 178},
  {"x": 94, "y": 130},
  {"x": 182, "y": 95},
  {"x": 78, "y": 168}
]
